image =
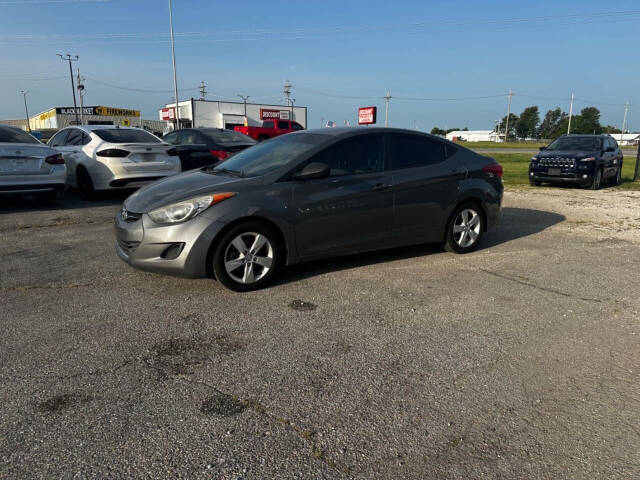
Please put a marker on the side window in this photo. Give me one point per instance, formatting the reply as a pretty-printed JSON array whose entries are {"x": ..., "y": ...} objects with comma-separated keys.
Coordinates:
[
  {"x": 613, "y": 143},
  {"x": 59, "y": 138},
  {"x": 295, "y": 127},
  {"x": 74, "y": 138},
  {"x": 409, "y": 151},
  {"x": 283, "y": 125},
  {"x": 268, "y": 124},
  {"x": 189, "y": 137},
  {"x": 361, "y": 154},
  {"x": 171, "y": 138},
  {"x": 85, "y": 138}
]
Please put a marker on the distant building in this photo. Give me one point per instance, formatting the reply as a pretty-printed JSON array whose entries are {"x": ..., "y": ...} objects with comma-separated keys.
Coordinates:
[
  {"x": 626, "y": 138},
  {"x": 474, "y": 136},
  {"x": 60, "y": 117},
  {"x": 218, "y": 114}
]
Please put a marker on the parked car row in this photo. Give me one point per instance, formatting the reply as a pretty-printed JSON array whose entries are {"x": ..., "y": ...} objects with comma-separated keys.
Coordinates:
[{"x": 102, "y": 157}]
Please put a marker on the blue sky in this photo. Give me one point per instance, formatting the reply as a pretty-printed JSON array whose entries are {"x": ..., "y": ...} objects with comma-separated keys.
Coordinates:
[{"x": 425, "y": 49}]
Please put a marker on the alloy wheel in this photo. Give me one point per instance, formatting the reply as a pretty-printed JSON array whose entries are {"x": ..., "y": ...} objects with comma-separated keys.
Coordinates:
[
  {"x": 248, "y": 257},
  {"x": 466, "y": 228}
]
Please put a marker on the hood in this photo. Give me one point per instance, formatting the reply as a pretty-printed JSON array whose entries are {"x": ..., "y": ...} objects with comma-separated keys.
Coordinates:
[
  {"x": 184, "y": 186},
  {"x": 577, "y": 154}
]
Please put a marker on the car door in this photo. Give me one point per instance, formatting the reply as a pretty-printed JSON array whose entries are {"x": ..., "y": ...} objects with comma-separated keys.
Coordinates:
[
  {"x": 351, "y": 209},
  {"x": 194, "y": 150},
  {"x": 282, "y": 127},
  {"x": 425, "y": 185},
  {"x": 73, "y": 153},
  {"x": 617, "y": 157}
]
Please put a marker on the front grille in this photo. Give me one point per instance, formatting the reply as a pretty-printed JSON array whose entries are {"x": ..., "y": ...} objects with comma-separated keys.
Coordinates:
[
  {"x": 558, "y": 162},
  {"x": 128, "y": 247}
]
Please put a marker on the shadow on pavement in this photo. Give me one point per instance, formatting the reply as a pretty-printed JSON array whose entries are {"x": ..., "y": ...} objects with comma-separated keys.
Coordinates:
[
  {"x": 516, "y": 223},
  {"x": 68, "y": 200}
]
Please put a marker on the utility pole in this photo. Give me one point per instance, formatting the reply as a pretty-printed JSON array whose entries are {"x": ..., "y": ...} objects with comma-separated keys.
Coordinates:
[
  {"x": 81, "y": 95},
  {"x": 244, "y": 99},
  {"x": 287, "y": 90},
  {"x": 624, "y": 121},
  {"x": 506, "y": 129},
  {"x": 203, "y": 91},
  {"x": 570, "y": 113},
  {"x": 70, "y": 59},
  {"x": 26, "y": 112},
  {"x": 387, "y": 97},
  {"x": 293, "y": 101},
  {"x": 173, "y": 60}
]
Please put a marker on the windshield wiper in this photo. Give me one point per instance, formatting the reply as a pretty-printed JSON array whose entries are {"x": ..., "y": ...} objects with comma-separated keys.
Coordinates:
[{"x": 226, "y": 171}]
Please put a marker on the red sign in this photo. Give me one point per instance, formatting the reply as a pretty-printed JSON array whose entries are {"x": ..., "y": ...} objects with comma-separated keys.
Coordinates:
[
  {"x": 168, "y": 114},
  {"x": 267, "y": 114},
  {"x": 367, "y": 115}
]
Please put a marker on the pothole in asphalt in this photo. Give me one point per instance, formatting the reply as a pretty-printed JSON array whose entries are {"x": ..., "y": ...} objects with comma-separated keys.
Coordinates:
[
  {"x": 223, "y": 405},
  {"x": 63, "y": 401},
  {"x": 302, "y": 306}
]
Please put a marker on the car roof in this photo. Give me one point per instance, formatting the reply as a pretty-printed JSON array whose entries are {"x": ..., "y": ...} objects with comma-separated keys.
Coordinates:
[
  {"x": 91, "y": 128},
  {"x": 349, "y": 131}
]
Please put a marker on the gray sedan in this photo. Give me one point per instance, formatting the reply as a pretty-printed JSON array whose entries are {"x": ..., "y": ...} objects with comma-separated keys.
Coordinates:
[
  {"x": 310, "y": 195},
  {"x": 29, "y": 167}
]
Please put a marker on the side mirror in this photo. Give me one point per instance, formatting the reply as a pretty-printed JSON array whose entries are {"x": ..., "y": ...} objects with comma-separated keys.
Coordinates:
[
  {"x": 543, "y": 148},
  {"x": 314, "y": 170}
]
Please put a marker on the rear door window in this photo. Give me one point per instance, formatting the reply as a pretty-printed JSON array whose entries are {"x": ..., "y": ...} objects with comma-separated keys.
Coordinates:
[
  {"x": 171, "y": 138},
  {"x": 189, "y": 137},
  {"x": 74, "y": 138},
  {"x": 295, "y": 127},
  {"x": 268, "y": 125},
  {"x": 411, "y": 151},
  {"x": 361, "y": 154},
  {"x": 283, "y": 125},
  {"x": 59, "y": 138}
]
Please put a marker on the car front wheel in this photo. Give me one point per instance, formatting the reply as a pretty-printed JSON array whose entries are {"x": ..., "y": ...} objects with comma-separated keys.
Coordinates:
[
  {"x": 465, "y": 229},
  {"x": 247, "y": 257},
  {"x": 597, "y": 180}
]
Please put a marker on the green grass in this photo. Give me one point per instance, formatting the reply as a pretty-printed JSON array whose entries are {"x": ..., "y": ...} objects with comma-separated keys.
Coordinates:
[
  {"x": 496, "y": 145},
  {"x": 516, "y": 170}
]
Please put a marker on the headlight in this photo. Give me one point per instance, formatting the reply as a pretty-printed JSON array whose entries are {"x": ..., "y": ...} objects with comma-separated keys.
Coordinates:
[
  {"x": 588, "y": 159},
  {"x": 534, "y": 159},
  {"x": 187, "y": 209}
]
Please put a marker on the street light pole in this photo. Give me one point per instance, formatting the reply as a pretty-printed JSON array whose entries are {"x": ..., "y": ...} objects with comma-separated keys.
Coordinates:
[
  {"x": 244, "y": 99},
  {"x": 387, "y": 97},
  {"x": 70, "y": 59},
  {"x": 173, "y": 60},
  {"x": 81, "y": 95},
  {"x": 506, "y": 127},
  {"x": 570, "y": 114},
  {"x": 26, "y": 111}
]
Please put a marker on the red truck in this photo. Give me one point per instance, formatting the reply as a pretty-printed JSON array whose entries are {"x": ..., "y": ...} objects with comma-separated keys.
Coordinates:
[{"x": 269, "y": 129}]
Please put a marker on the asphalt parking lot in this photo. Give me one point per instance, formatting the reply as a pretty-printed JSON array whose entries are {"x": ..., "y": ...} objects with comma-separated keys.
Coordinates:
[{"x": 520, "y": 360}]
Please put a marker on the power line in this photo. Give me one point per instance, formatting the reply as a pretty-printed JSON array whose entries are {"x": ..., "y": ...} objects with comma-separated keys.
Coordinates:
[{"x": 132, "y": 89}]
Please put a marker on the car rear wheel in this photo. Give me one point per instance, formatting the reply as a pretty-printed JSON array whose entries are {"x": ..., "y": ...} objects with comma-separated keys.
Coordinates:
[
  {"x": 85, "y": 184},
  {"x": 465, "y": 228},
  {"x": 247, "y": 257},
  {"x": 597, "y": 180}
]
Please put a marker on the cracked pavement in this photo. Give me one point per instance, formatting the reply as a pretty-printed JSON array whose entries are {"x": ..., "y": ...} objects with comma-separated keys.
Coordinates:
[{"x": 520, "y": 360}]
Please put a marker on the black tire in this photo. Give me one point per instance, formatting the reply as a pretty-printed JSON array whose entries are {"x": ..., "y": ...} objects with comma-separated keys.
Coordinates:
[
  {"x": 453, "y": 241},
  {"x": 597, "y": 180},
  {"x": 85, "y": 184},
  {"x": 47, "y": 197},
  {"x": 534, "y": 183},
  {"x": 617, "y": 180},
  {"x": 225, "y": 250}
]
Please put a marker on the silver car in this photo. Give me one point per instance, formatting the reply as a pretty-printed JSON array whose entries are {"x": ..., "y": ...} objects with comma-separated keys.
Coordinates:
[
  {"x": 104, "y": 157},
  {"x": 28, "y": 166}
]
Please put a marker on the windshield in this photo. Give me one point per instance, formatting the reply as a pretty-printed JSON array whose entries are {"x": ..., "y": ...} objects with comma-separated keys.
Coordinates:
[
  {"x": 227, "y": 137},
  {"x": 270, "y": 155},
  {"x": 15, "y": 135},
  {"x": 126, "y": 135},
  {"x": 589, "y": 144}
]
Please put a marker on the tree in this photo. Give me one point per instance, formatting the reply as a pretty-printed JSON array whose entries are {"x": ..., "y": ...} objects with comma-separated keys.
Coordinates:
[
  {"x": 513, "y": 121},
  {"x": 587, "y": 122},
  {"x": 551, "y": 126},
  {"x": 438, "y": 131},
  {"x": 611, "y": 129},
  {"x": 526, "y": 125}
]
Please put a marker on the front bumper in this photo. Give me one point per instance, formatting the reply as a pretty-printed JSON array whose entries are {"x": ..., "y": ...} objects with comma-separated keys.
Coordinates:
[
  {"x": 145, "y": 245},
  {"x": 575, "y": 176}
]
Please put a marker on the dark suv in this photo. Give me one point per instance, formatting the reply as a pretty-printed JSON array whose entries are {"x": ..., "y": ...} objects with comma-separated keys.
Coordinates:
[{"x": 585, "y": 160}]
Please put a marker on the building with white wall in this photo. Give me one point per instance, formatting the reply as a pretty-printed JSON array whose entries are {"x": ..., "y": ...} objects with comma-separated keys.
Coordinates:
[
  {"x": 474, "y": 136},
  {"x": 217, "y": 114}
]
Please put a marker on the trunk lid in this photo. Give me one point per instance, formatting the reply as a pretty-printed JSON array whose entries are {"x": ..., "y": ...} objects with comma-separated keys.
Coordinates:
[
  {"x": 145, "y": 157},
  {"x": 24, "y": 159}
]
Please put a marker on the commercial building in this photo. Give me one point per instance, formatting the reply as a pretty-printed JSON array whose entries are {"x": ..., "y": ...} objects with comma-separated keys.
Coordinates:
[
  {"x": 475, "y": 136},
  {"x": 217, "y": 114},
  {"x": 60, "y": 117},
  {"x": 626, "y": 138}
]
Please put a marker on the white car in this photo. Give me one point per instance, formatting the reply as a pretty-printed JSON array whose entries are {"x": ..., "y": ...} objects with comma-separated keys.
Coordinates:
[
  {"x": 104, "y": 157},
  {"x": 28, "y": 166}
]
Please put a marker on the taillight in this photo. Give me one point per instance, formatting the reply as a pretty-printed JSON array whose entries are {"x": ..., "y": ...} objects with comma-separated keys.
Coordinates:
[
  {"x": 219, "y": 154},
  {"x": 56, "y": 159},
  {"x": 172, "y": 152},
  {"x": 493, "y": 169},
  {"x": 112, "y": 152}
]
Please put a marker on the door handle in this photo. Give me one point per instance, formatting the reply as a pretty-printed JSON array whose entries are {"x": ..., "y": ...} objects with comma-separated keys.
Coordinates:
[{"x": 381, "y": 186}]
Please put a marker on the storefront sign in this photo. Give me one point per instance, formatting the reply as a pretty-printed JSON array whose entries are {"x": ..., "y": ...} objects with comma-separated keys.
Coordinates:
[
  {"x": 99, "y": 110},
  {"x": 367, "y": 115},
  {"x": 168, "y": 114},
  {"x": 268, "y": 114}
]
